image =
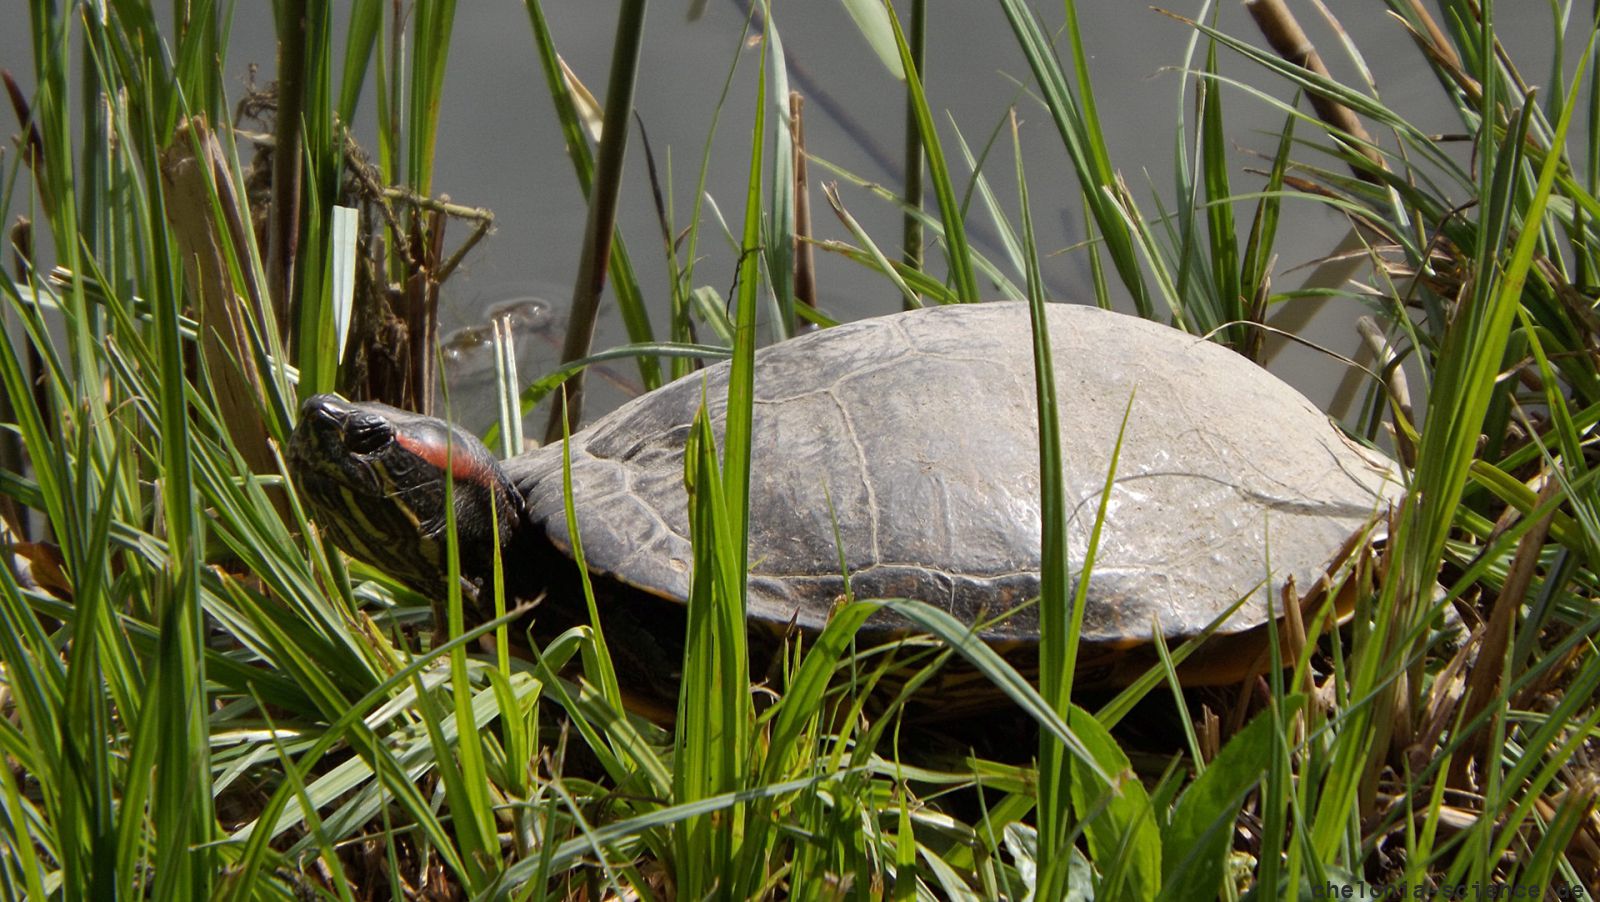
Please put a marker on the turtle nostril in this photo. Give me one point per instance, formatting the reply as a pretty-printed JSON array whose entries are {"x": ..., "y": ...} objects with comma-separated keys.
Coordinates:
[{"x": 324, "y": 409}]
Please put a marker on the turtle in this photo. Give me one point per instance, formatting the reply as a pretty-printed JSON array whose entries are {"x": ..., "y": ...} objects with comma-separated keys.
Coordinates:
[{"x": 901, "y": 453}]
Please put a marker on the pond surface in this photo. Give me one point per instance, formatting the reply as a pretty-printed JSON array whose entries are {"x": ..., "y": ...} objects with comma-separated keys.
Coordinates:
[{"x": 499, "y": 145}]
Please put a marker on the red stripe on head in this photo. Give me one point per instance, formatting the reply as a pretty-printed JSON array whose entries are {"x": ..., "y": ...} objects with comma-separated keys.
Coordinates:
[{"x": 465, "y": 464}]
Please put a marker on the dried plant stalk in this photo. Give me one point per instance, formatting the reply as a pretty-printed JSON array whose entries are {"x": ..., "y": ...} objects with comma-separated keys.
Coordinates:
[
  {"x": 191, "y": 168},
  {"x": 1279, "y": 26}
]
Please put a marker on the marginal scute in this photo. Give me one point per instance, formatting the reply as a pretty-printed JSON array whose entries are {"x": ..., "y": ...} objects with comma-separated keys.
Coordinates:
[{"x": 913, "y": 438}]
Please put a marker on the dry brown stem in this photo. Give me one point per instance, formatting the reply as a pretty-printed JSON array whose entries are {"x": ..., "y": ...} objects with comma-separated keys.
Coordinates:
[
  {"x": 1483, "y": 681},
  {"x": 192, "y": 168},
  {"x": 1279, "y": 26}
]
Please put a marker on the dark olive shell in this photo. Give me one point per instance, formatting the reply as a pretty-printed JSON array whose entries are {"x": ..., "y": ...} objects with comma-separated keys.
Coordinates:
[{"x": 913, "y": 438}]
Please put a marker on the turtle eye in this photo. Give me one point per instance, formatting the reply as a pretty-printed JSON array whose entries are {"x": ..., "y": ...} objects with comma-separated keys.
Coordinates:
[{"x": 368, "y": 437}]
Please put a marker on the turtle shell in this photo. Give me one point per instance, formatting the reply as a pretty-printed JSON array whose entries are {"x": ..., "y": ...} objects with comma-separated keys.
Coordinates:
[{"x": 916, "y": 435}]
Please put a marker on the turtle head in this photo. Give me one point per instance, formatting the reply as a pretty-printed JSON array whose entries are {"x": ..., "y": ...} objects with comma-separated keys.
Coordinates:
[{"x": 375, "y": 478}]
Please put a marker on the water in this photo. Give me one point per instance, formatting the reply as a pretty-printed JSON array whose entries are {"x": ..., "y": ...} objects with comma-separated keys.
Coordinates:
[{"x": 499, "y": 145}]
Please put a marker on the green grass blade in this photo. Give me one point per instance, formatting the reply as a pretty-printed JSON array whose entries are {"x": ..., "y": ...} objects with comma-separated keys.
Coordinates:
[
  {"x": 1057, "y": 640},
  {"x": 602, "y": 189},
  {"x": 957, "y": 256},
  {"x": 466, "y": 787},
  {"x": 432, "y": 22},
  {"x": 714, "y": 708},
  {"x": 1118, "y": 819},
  {"x": 778, "y": 235},
  {"x": 597, "y": 665},
  {"x": 1196, "y": 842},
  {"x": 1078, "y": 126},
  {"x": 361, "y": 42},
  {"x": 713, "y": 693},
  {"x": 1223, "y": 256}
]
